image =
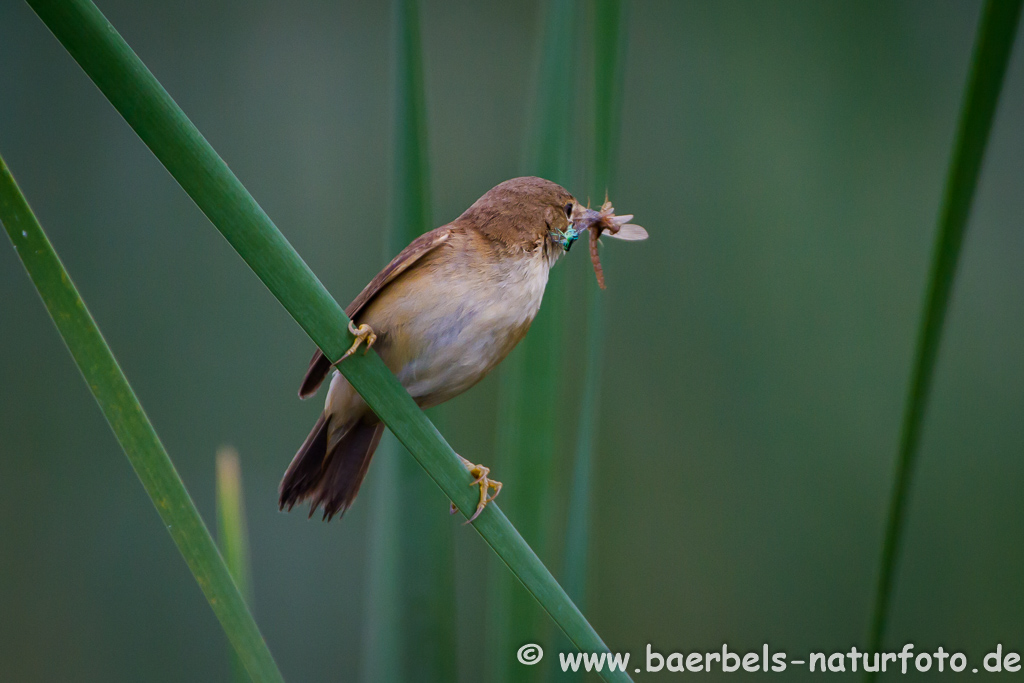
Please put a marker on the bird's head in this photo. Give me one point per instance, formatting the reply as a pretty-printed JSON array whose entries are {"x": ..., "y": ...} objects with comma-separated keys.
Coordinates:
[
  {"x": 530, "y": 214},
  {"x": 526, "y": 214}
]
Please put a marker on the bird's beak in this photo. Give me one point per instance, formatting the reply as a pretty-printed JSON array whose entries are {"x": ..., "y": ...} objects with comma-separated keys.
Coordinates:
[{"x": 583, "y": 218}]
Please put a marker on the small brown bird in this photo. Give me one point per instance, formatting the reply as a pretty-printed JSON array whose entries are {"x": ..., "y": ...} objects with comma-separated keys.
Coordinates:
[{"x": 441, "y": 315}]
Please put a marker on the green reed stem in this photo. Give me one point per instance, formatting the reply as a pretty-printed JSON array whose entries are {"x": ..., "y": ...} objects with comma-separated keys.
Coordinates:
[
  {"x": 232, "y": 536},
  {"x": 133, "y": 430},
  {"x": 529, "y": 427},
  {"x": 412, "y": 559},
  {"x": 163, "y": 127},
  {"x": 609, "y": 46},
  {"x": 992, "y": 49}
]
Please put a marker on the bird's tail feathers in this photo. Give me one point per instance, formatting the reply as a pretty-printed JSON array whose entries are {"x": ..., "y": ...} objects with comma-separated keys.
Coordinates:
[{"x": 330, "y": 466}]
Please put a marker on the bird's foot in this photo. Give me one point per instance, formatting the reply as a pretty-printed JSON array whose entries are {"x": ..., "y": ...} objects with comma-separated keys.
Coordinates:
[
  {"x": 484, "y": 482},
  {"x": 363, "y": 334}
]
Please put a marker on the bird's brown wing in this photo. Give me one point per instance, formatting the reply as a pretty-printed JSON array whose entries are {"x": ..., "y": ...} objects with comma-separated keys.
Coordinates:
[
  {"x": 419, "y": 247},
  {"x": 319, "y": 365}
]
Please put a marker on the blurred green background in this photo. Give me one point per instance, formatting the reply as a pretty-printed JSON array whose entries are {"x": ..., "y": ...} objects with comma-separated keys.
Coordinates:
[{"x": 787, "y": 159}]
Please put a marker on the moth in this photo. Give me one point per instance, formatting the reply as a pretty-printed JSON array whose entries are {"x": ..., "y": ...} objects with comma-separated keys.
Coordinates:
[{"x": 603, "y": 221}]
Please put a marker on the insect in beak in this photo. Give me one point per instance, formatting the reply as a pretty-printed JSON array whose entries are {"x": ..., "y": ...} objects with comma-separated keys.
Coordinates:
[
  {"x": 570, "y": 239},
  {"x": 566, "y": 238},
  {"x": 604, "y": 221}
]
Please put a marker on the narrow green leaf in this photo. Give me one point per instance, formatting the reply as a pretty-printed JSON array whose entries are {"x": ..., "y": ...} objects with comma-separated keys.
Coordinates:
[
  {"x": 529, "y": 425},
  {"x": 608, "y": 47},
  {"x": 232, "y": 536},
  {"x": 992, "y": 49},
  {"x": 383, "y": 629},
  {"x": 412, "y": 546},
  {"x": 163, "y": 127},
  {"x": 410, "y": 215},
  {"x": 133, "y": 429}
]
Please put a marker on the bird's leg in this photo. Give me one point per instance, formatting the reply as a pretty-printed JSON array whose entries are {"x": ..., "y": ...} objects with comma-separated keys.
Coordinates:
[
  {"x": 485, "y": 484},
  {"x": 363, "y": 333}
]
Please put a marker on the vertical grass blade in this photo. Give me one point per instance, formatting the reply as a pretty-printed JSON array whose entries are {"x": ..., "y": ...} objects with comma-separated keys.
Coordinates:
[
  {"x": 192, "y": 162},
  {"x": 993, "y": 45},
  {"x": 133, "y": 430},
  {"x": 424, "y": 532},
  {"x": 412, "y": 563},
  {"x": 528, "y": 428},
  {"x": 232, "y": 536},
  {"x": 608, "y": 53},
  {"x": 383, "y": 629}
]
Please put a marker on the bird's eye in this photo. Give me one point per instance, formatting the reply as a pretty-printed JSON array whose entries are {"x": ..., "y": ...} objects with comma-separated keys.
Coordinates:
[{"x": 568, "y": 210}]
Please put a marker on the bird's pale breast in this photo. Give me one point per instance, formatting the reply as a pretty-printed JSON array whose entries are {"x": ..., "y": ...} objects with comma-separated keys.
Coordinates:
[
  {"x": 456, "y": 323},
  {"x": 446, "y": 323}
]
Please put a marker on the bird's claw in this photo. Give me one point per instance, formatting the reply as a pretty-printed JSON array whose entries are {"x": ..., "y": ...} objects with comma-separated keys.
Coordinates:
[
  {"x": 363, "y": 334},
  {"x": 484, "y": 482}
]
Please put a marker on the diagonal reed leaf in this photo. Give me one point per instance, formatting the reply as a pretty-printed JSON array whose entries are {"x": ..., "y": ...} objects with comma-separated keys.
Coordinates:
[
  {"x": 232, "y": 536},
  {"x": 133, "y": 430},
  {"x": 993, "y": 45},
  {"x": 412, "y": 569},
  {"x": 528, "y": 428},
  {"x": 136, "y": 94}
]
